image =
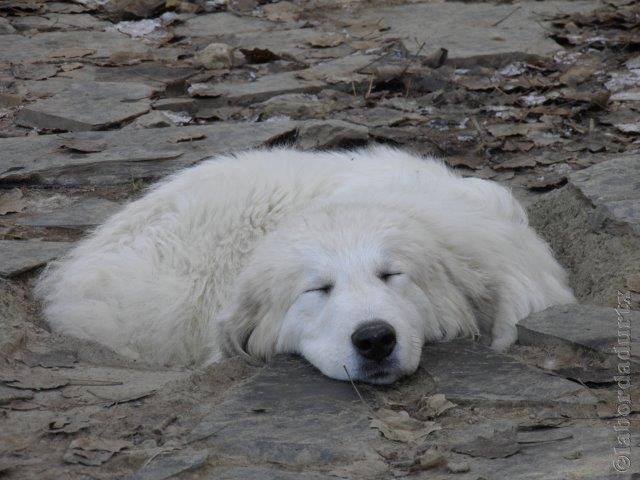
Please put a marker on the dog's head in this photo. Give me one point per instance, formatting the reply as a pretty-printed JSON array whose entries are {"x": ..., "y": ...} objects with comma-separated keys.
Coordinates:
[{"x": 352, "y": 288}]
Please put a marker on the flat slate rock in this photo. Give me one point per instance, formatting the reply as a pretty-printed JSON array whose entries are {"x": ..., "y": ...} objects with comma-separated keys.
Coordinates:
[
  {"x": 19, "y": 256},
  {"x": 88, "y": 106},
  {"x": 18, "y": 48},
  {"x": 613, "y": 186},
  {"x": 82, "y": 214},
  {"x": 128, "y": 154},
  {"x": 556, "y": 459},
  {"x": 297, "y": 418},
  {"x": 475, "y": 30},
  {"x": 466, "y": 371},
  {"x": 266, "y": 473},
  {"x": 342, "y": 71},
  {"x": 267, "y": 86},
  {"x": 217, "y": 25},
  {"x": 587, "y": 327}
]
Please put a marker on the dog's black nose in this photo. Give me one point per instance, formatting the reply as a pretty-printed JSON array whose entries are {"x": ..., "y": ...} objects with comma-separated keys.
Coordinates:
[{"x": 374, "y": 340}]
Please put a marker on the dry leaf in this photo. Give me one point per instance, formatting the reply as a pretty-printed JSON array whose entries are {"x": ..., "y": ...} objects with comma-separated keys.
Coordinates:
[
  {"x": 399, "y": 426},
  {"x": 433, "y": 406},
  {"x": 12, "y": 202}
]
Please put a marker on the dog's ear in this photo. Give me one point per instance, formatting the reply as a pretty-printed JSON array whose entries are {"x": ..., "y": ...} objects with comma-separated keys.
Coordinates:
[
  {"x": 249, "y": 326},
  {"x": 458, "y": 292}
]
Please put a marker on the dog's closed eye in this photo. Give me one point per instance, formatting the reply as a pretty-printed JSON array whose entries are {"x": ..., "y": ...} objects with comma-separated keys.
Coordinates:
[
  {"x": 386, "y": 276},
  {"x": 325, "y": 289}
]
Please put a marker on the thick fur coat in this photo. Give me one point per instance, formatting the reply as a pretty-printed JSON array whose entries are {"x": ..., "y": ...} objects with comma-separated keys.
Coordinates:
[{"x": 272, "y": 251}]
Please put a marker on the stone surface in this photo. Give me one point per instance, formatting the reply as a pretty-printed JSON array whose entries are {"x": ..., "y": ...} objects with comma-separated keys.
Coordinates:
[
  {"x": 19, "y": 256},
  {"x": 583, "y": 327},
  {"x": 259, "y": 90},
  {"x": 40, "y": 46},
  {"x": 297, "y": 105},
  {"x": 340, "y": 72},
  {"x": 296, "y": 417},
  {"x": 79, "y": 215},
  {"x": 146, "y": 153},
  {"x": 479, "y": 29},
  {"x": 220, "y": 24},
  {"x": 466, "y": 371},
  {"x": 613, "y": 186},
  {"x": 59, "y": 21},
  {"x": 323, "y": 134},
  {"x": 111, "y": 102}
]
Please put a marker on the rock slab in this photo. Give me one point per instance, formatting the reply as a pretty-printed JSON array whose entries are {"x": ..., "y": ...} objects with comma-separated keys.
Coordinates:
[
  {"x": 466, "y": 371},
  {"x": 19, "y": 256},
  {"x": 110, "y": 103},
  {"x": 589, "y": 327},
  {"x": 613, "y": 187}
]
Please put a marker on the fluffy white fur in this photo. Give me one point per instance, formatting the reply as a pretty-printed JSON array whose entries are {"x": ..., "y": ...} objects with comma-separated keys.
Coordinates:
[{"x": 228, "y": 256}]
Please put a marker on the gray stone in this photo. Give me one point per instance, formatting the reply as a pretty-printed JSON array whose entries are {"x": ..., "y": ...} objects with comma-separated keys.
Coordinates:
[
  {"x": 80, "y": 215},
  {"x": 549, "y": 460},
  {"x": 266, "y": 473},
  {"x": 88, "y": 106},
  {"x": 264, "y": 87},
  {"x": 133, "y": 154},
  {"x": 297, "y": 105},
  {"x": 153, "y": 119},
  {"x": 587, "y": 327},
  {"x": 297, "y": 418},
  {"x": 324, "y": 134},
  {"x": 8, "y": 395},
  {"x": 17, "y": 48},
  {"x": 474, "y": 30},
  {"x": 59, "y": 21},
  {"x": 216, "y": 25},
  {"x": 340, "y": 72},
  {"x": 154, "y": 74},
  {"x": 613, "y": 186},
  {"x": 14, "y": 316},
  {"x": 466, "y": 371},
  {"x": 5, "y": 27},
  {"x": 19, "y": 256},
  {"x": 177, "y": 104}
]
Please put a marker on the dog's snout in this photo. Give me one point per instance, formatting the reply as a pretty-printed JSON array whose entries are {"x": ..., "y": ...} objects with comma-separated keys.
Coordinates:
[{"x": 374, "y": 340}]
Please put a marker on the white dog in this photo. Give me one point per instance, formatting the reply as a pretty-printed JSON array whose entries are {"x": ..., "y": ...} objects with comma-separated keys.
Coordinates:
[{"x": 352, "y": 259}]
